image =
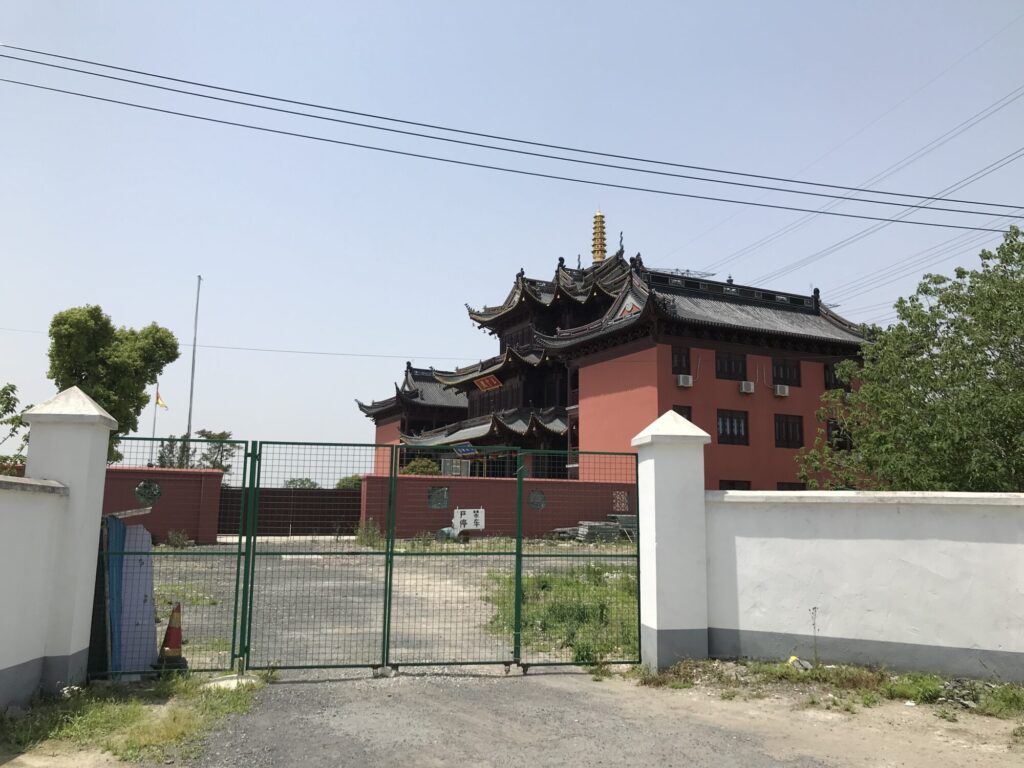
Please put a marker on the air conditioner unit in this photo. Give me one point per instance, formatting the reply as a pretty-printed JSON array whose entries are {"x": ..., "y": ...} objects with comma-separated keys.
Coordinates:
[
  {"x": 684, "y": 380},
  {"x": 456, "y": 467},
  {"x": 782, "y": 390},
  {"x": 747, "y": 387}
]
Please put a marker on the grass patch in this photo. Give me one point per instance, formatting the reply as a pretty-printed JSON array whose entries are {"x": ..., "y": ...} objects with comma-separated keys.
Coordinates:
[
  {"x": 1002, "y": 701},
  {"x": 589, "y": 610},
  {"x": 842, "y": 686},
  {"x": 368, "y": 535},
  {"x": 211, "y": 644},
  {"x": 152, "y": 722},
  {"x": 166, "y": 595}
]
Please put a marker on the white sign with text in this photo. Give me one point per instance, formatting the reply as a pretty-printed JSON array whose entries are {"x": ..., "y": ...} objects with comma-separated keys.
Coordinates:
[{"x": 468, "y": 519}]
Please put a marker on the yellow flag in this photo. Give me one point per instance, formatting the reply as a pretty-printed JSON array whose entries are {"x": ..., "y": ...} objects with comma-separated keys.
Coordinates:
[{"x": 159, "y": 400}]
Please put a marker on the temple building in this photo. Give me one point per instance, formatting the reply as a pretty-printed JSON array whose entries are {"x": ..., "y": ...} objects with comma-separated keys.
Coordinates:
[{"x": 590, "y": 357}]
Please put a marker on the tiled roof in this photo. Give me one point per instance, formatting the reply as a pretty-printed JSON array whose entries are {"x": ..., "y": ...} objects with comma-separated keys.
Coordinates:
[
  {"x": 577, "y": 285},
  {"x": 514, "y": 423},
  {"x": 488, "y": 366},
  {"x": 418, "y": 386},
  {"x": 702, "y": 302}
]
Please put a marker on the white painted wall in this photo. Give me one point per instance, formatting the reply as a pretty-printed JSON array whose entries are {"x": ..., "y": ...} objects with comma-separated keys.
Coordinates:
[
  {"x": 49, "y": 533},
  {"x": 938, "y": 570},
  {"x": 29, "y": 514}
]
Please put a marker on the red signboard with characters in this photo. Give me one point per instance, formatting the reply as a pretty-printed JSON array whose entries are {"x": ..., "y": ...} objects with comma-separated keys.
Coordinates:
[{"x": 487, "y": 383}]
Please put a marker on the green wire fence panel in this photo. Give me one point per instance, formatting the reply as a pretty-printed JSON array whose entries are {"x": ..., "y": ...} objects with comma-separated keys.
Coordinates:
[
  {"x": 165, "y": 505},
  {"x": 318, "y": 565},
  {"x": 453, "y": 555},
  {"x": 315, "y": 555},
  {"x": 579, "y": 575}
]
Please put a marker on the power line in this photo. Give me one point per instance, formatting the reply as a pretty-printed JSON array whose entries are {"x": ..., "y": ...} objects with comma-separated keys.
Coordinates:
[
  {"x": 484, "y": 166},
  {"x": 464, "y": 132},
  {"x": 970, "y": 179},
  {"x": 510, "y": 150},
  {"x": 913, "y": 157},
  {"x": 283, "y": 351},
  {"x": 860, "y": 131}
]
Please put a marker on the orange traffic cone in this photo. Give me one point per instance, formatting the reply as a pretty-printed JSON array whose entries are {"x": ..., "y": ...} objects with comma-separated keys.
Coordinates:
[{"x": 170, "y": 658}]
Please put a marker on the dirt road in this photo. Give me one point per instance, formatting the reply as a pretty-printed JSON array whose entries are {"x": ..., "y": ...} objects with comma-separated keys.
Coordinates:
[{"x": 565, "y": 718}]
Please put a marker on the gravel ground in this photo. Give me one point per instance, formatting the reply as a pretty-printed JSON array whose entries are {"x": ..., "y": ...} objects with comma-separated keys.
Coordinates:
[{"x": 467, "y": 717}]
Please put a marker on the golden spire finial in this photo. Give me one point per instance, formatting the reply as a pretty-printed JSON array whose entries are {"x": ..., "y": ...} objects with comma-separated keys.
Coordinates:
[{"x": 600, "y": 249}]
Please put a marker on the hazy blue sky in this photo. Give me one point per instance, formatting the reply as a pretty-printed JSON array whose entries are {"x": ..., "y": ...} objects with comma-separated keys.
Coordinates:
[{"x": 310, "y": 246}]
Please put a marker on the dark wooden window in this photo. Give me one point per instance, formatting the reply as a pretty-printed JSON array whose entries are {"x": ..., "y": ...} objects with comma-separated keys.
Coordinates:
[
  {"x": 680, "y": 360},
  {"x": 791, "y": 486},
  {"x": 837, "y": 437},
  {"x": 730, "y": 366},
  {"x": 685, "y": 411},
  {"x": 831, "y": 380},
  {"x": 786, "y": 372},
  {"x": 734, "y": 485},
  {"x": 732, "y": 428},
  {"x": 789, "y": 431}
]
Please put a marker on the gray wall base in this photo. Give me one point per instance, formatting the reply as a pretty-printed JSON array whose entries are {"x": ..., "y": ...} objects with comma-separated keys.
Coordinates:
[
  {"x": 661, "y": 648},
  {"x": 21, "y": 682},
  {"x": 960, "y": 662}
]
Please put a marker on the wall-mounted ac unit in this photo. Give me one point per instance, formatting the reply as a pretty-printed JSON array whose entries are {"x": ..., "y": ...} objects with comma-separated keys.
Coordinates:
[
  {"x": 747, "y": 387},
  {"x": 456, "y": 467},
  {"x": 684, "y": 380},
  {"x": 782, "y": 390}
]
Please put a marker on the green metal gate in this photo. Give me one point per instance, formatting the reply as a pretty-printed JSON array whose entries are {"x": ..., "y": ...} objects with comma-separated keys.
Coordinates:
[{"x": 356, "y": 555}]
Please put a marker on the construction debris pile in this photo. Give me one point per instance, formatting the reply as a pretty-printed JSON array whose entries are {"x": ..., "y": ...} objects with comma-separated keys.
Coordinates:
[{"x": 613, "y": 529}]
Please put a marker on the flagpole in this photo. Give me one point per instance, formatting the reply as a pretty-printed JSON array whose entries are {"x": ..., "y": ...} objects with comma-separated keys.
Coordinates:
[
  {"x": 192, "y": 379},
  {"x": 155, "y": 409}
]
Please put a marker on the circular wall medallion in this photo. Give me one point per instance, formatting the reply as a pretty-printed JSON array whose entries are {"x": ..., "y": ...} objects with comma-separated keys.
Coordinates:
[
  {"x": 147, "y": 492},
  {"x": 536, "y": 499}
]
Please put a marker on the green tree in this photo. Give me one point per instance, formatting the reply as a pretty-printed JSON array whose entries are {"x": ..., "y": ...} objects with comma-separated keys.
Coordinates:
[
  {"x": 938, "y": 402},
  {"x": 114, "y": 366},
  {"x": 421, "y": 466},
  {"x": 176, "y": 453},
  {"x": 301, "y": 482},
  {"x": 11, "y": 425},
  {"x": 350, "y": 483},
  {"x": 219, "y": 453}
]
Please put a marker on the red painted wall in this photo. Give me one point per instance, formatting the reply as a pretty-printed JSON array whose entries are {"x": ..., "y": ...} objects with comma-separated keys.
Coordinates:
[
  {"x": 388, "y": 433},
  {"x": 616, "y": 402},
  {"x": 189, "y": 500},
  {"x": 618, "y": 398},
  {"x": 566, "y": 502}
]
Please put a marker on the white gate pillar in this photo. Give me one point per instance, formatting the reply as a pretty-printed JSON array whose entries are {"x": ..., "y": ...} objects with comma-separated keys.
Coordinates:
[
  {"x": 68, "y": 443},
  {"x": 673, "y": 541}
]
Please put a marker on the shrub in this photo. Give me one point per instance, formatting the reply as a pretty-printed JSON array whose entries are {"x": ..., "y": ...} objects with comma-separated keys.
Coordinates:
[
  {"x": 350, "y": 483},
  {"x": 178, "y": 539},
  {"x": 421, "y": 466}
]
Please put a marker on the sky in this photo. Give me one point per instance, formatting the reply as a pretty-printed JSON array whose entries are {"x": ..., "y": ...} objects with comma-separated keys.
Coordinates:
[{"x": 371, "y": 257}]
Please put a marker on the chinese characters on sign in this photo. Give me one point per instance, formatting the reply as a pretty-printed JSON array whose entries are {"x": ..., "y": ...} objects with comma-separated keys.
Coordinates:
[
  {"x": 468, "y": 519},
  {"x": 487, "y": 383}
]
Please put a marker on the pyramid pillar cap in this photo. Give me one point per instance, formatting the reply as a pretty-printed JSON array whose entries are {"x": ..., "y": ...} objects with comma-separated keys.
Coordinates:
[{"x": 72, "y": 406}]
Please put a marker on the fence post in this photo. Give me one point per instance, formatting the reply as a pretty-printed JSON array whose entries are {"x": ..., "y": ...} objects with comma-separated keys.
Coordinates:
[
  {"x": 673, "y": 542},
  {"x": 69, "y": 439}
]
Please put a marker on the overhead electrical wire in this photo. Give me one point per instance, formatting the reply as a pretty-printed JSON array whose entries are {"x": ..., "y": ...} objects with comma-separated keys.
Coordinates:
[
  {"x": 861, "y": 130},
  {"x": 464, "y": 132},
  {"x": 484, "y": 166},
  {"x": 510, "y": 150},
  {"x": 913, "y": 157},
  {"x": 817, "y": 255}
]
